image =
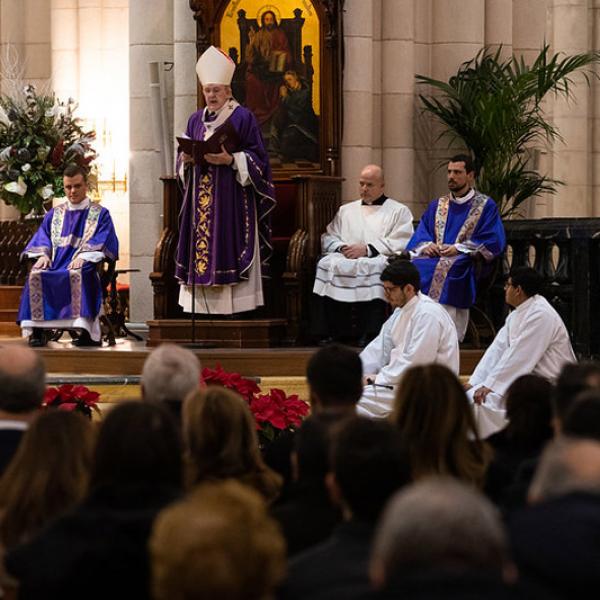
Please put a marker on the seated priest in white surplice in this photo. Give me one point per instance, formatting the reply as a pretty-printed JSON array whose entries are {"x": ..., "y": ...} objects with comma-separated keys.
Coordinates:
[
  {"x": 419, "y": 332},
  {"x": 534, "y": 340},
  {"x": 357, "y": 245}
]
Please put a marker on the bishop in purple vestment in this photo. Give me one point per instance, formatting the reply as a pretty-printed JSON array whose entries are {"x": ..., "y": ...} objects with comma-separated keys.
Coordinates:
[
  {"x": 63, "y": 288},
  {"x": 224, "y": 229}
]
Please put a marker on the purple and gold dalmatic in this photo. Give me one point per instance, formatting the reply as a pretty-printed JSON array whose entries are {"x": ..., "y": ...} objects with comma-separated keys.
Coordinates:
[
  {"x": 219, "y": 218},
  {"x": 475, "y": 224},
  {"x": 60, "y": 293}
]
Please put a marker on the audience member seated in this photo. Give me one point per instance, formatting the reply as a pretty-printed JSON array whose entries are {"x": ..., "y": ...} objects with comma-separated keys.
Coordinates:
[
  {"x": 435, "y": 421},
  {"x": 217, "y": 543},
  {"x": 63, "y": 290},
  {"x": 169, "y": 374},
  {"x": 440, "y": 539},
  {"x": 534, "y": 340},
  {"x": 22, "y": 387},
  {"x": 574, "y": 379},
  {"x": 529, "y": 428},
  {"x": 46, "y": 478},
  {"x": 368, "y": 464},
  {"x": 221, "y": 443},
  {"x": 334, "y": 377},
  {"x": 356, "y": 245},
  {"x": 98, "y": 550},
  {"x": 308, "y": 517},
  {"x": 583, "y": 418},
  {"x": 556, "y": 540},
  {"x": 456, "y": 234},
  {"x": 419, "y": 332}
]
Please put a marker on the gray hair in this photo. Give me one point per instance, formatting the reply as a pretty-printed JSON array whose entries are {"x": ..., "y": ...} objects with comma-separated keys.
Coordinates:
[
  {"x": 170, "y": 373},
  {"x": 567, "y": 465},
  {"x": 439, "y": 522}
]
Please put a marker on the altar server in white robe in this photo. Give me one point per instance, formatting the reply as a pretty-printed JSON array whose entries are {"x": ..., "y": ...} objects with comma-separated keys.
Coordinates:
[
  {"x": 419, "y": 332},
  {"x": 534, "y": 340},
  {"x": 362, "y": 236}
]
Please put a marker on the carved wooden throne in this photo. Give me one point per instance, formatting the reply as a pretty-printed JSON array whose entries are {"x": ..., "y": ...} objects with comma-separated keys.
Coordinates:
[{"x": 306, "y": 201}]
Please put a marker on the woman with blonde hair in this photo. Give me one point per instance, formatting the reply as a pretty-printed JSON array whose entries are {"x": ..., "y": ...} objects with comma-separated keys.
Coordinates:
[
  {"x": 435, "y": 420},
  {"x": 221, "y": 443}
]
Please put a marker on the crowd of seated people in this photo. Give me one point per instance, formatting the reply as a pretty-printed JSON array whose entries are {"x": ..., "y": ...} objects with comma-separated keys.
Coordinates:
[{"x": 171, "y": 497}]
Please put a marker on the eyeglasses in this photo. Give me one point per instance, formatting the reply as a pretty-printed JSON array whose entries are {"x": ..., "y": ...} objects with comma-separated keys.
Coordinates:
[
  {"x": 389, "y": 289},
  {"x": 508, "y": 284}
]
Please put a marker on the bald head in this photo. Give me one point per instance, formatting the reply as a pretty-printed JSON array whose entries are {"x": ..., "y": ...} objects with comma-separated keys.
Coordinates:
[
  {"x": 22, "y": 379},
  {"x": 567, "y": 465},
  {"x": 371, "y": 183}
]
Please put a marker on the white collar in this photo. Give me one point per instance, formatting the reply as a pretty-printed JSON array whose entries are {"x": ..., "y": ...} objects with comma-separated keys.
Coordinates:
[
  {"x": 13, "y": 424},
  {"x": 81, "y": 206},
  {"x": 464, "y": 198},
  {"x": 526, "y": 303}
]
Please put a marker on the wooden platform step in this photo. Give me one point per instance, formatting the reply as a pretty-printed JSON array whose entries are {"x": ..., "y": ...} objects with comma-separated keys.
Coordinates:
[
  {"x": 127, "y": 358},
  {"x": 227, "y": 333}
]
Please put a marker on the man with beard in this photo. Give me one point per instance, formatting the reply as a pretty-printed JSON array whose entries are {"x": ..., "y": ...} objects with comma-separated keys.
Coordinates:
[
  {"x": 268, "y": 56},
  {"x": 452, "y": 232}
]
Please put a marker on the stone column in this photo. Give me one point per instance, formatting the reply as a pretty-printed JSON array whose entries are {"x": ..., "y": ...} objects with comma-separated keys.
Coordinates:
[
  {"x": 595, "y": 114},
  {"x": 64, "y": 19},
  {"x": 184, "y": 53},
  {"x": 398, "y": 97},
  {"x": 571, "y": 159},
  {"x": 150, "y": 39},
  {"x": 361, "y": 142},
  {"x": 499, "y": 24},
  {"x": 457, "y": 34}
]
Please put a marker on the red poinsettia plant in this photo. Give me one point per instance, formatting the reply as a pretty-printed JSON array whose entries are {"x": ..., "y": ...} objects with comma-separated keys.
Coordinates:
[
  {"x": 274, "y": 412},
  {"x": 72, "y": 397}
]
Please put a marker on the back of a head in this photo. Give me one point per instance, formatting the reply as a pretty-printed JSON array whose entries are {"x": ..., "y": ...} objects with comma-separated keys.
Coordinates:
[
  {"x": 400, "y": 271},
  {"x": 528, "y": 279},
  {"x": 574, "y": 379},
  {"x": 169, "y": 374},
  {"x": 219, "y": 542},
  {"x": 369, "y": 464},
  {"x": 138, "y": 444},
  {"x": 221, "y": 442},
  {"x": 435, "y": 420},
  {"x": 566, "y": 466},
  {"x": 334, "y": 375},
  {"x": 583, "y": 418},
  {"x": 311, "y": 448},
  {"x": 48, "y": 474},
  {"x": 438, "y": 524},
  {"x": 22, "y": 379},
  {"x": 529, "y": 410}
]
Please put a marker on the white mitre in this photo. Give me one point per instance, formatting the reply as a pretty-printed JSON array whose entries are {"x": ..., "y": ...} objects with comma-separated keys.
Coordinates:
[{"x": 214, "y": 66}]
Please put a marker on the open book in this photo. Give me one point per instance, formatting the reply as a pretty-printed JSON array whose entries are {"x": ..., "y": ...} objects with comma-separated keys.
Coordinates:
[{"x": 225, "y": 136}]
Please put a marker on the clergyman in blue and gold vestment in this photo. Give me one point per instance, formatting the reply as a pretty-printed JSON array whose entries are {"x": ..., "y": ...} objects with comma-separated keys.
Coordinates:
[
  {"x": 224, "y": 228},
  {"x": 452, "y": 231},
  {"x": 63, "y": 289}
]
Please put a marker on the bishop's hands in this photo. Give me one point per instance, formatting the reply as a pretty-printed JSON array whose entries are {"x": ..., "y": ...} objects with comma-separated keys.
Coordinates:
[
  {"x": 221, "y": 158},
  {"x": 354, "y": 250},
  {"x": 480, "y": 394},
  {"x": 434, "y": 249},
  {"x": 42, "y": 263}
]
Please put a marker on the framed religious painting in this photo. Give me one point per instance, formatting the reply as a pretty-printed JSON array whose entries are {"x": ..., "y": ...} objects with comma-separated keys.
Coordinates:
[{"x": 288, "y": 57}]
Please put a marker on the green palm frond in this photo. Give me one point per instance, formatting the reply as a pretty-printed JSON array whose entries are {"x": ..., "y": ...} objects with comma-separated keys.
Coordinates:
[{"x": 492, "y": 106}]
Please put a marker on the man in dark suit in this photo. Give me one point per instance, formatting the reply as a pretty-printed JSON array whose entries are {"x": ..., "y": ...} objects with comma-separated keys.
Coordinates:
[{"x": 22, "y": 386}]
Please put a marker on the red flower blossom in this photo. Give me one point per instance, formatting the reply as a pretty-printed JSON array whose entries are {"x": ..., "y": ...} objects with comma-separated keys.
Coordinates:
[
  {"x": 233, "y": 381},
  {"x": 58, "y": 153},
  {"x": 72, "y": 397}
]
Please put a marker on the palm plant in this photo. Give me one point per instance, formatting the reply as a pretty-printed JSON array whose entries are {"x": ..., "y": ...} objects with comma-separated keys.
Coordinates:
[{"x": 493, "y": 107}]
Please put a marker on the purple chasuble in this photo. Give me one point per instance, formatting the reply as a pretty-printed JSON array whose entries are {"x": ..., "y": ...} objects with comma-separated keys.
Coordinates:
[
  {"x": 219, "y": 218},
  {"x": 58, "y": 293}
]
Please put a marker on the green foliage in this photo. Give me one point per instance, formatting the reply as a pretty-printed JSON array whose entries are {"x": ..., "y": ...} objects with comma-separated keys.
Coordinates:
[
  {"x": 492, "y": 106},
  {"x": 39, "y": 137}
]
